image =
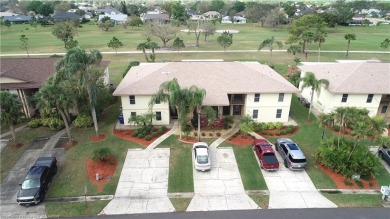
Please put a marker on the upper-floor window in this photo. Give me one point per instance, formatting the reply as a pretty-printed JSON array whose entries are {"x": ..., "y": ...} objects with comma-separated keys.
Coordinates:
[
  {"x": 369, "y": 98},
  {"x": 132, "y": 99},
  {"x": 384, "y": 109},
  {"x": 344, "y": 98},
  {"x": 158, "y": 116},
  {"x": 279, "y": 113},
  {"x": 257, "y": 97},
  {"x": 255, "y": 114},
  {"x": 281, "y": 97}
]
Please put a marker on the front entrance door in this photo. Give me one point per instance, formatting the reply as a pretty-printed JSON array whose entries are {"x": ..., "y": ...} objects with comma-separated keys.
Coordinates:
[{"x": 237, "y": 110}]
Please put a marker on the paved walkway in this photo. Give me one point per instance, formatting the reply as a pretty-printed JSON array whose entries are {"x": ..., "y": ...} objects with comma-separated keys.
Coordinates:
[
  {"x": 292, "y": 189},
  {"x": 155, "y": 143},
  {"x": 220, "y": 188},
  {"x": 227, "y": 135}
]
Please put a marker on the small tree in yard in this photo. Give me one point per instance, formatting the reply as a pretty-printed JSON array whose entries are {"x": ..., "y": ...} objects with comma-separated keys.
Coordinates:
[
  {"x": 149, "y": 44},
  {"x": 24, "y": 43},
  {"x": 246, "y": 125},
  {"x": 225, "y": 40},
  {"x": 178, "y": 44},
  {"x": 7, "y": 24},
  {"x": 115, "y": 44},
  {"x": 11, "y": 111},
  {"x": 385, "y": 44},
  {"x": 349, "y": 37},
  {"x": 101, "y": 154},
  {"x": 270, "y": 43},
  {"x": 106, "y": 23}
]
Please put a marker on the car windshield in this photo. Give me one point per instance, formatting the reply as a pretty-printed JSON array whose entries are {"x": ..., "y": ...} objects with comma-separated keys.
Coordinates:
[
  {"x": 203, "y": 159},
  {"x": 292, "y": 147},
  {"x": 31, "y": 184}
]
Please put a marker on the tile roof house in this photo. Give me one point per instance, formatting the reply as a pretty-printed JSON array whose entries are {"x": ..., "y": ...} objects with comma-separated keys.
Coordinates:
[
  {"x": 362, "y": 84},
  {"x": 157, "y": 18},
  {"x": 232, "y": 88},
  {"x": 60, "y": 16},
  {"x": 24, "y": 77},
  {"x": 236, "y": 20},
  {"x": 17, "y": 19}
]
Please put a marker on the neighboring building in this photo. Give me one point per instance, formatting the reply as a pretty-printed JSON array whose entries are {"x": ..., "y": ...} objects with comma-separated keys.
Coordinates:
[
  {"x": 19, "y": 19},
  {"x": 116, "y": 18},
  {"x": 232, "y": 88},
  {"x": 362, "y": 84},
  {"x": 241, "y": 14},
  {"x": 210, "y": 15},
  {"x": 25, "y": 76},
  {"x": 108, "y": 11},
  {"x": 236, "y": 19},
  {"x": 155, "y": 17},
  {"x": 7, "y": 13},
  {"x": 61, "y": 16}
]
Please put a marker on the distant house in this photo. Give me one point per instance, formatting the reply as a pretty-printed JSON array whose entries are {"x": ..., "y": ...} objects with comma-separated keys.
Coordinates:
[
  {"x": 62, "y": 16},
  {"x": 116, "y": 18},
  {"x": 19, "y": 19},
  {"x": 212, "y": 15},
  {"x": 241, "y": 14},
  {"x": 108, "y": 11},
  {"x": 362, "y": 84},
  {"x": 7, "y": 13},
  {"x": 232, "y": 88},
  {"x": 154, "y": 17},
  {"x": 236, "y": 20},
  {"x": 26, "y": 76}
]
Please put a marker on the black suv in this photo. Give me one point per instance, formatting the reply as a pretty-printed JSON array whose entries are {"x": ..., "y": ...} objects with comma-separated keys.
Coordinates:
[{"x": 38, "y": 179}]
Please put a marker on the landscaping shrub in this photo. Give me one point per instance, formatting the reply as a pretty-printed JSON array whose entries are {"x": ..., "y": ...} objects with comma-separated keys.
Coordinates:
[
  {"x": 211, "y": 134},
  {"x": 34, "y": 123},
  {"x": 160, "y": 131},
  {"x": 148, "y": 138},
  {"x": 195, "y": 134},
  {"x": 279, "y": 125},
  {"x": 359, "y": 183},
  {"x": 278, "y": 133},
  {"x": 134, "y": 134},
  {"x": 340, "y": 160},
  {"x": 203, "y": 134},
  {"x": 83, "y": 121},
  {"x": 283, "y": 132},
  {"x": 290, "y": 130},
  {"x": 347, "y": 183},
  {"x": 336, "y": 128},
  {"x": 56, "y": 124},
  {"x": 45, "y": 121},
  {"x": 270, "y": 125},
  {"x": 263, "y": 132},
  {"x": 345, "y": 131},
  {"x": 101, "y": 154},
  {"x": 141, "y": 136},
  {"x": 218, "y": 134},
  {"x": 227, "y": 122},
  {"x": 154, "y": 134},
  {"x": 164, "y": 128}
]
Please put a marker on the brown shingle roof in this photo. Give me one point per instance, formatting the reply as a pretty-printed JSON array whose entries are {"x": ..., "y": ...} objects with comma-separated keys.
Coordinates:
[
  {"x": 217, "y": 78},
  {"x": 357, "y": 77}
]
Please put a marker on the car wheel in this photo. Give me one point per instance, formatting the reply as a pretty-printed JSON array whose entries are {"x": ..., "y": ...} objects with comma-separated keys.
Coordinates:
[
  {"x": 261, "y": 165},
  {"x": 276, "y": 147},
  {"x": 55, "y": 170},
  {"x": 285, "y": 163}
]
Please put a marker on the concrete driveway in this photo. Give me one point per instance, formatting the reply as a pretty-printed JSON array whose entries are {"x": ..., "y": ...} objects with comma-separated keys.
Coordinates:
[
  {"x": 293, "y": 189},
  {"x": 143, "y": 184},
  {"x": 220, "y": 188}
]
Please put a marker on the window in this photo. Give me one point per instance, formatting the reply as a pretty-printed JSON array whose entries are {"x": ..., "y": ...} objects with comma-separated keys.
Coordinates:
[
  {"x": 257, "y": 97},
  {"x": 132, "y": 99},
  {"x": 384, "y": 109},
  {"x": 255, "y": 114},
  {"x": 281, "y": 97},
  {"x": 369, "y": 98},
  {"x": 133, "y": 114},
  {"x": 344, "y": 98},
  {"x": 279, "y": 113},
  {"x": 158, "y": 116}
]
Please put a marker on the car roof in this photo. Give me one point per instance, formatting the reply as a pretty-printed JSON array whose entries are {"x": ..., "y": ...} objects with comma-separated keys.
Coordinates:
[
  {"x": 197, "y": 144},
  {"x": 201, "y": 151},
  {"x": 35, "y": 172},
  {"x": 287, "y": 140}
]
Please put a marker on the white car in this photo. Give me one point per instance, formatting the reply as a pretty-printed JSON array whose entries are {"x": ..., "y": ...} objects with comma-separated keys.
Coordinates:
[{"x": 202, "y": 156}]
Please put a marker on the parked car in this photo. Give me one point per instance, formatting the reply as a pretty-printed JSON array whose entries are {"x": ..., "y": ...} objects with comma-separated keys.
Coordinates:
[
  {"x": 266, "y": 155},
  {"x": 202, "y": 156},
  {"x": 36, "y": 183},
  {"x": 293, "y": 157},
  {"x": 384, "y": 153}
]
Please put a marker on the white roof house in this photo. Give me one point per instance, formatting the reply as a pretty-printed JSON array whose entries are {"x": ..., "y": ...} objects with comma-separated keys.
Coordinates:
[
  {"x": 118, "y": 18},
  {"x": 363, "y": 84},
  {"x": 236, "y": 19},
  {"x": 233, "y": 88}
]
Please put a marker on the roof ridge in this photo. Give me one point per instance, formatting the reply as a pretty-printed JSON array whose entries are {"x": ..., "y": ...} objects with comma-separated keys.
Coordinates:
[{"x": 349, "y": 75}]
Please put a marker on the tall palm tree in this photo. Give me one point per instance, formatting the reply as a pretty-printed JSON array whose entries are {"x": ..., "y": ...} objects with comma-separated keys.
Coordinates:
[
  {"x": 55, "y": 96},
  {"x": 319, "y": 37},
  {"x": 294, "y": 49},
  {"x": 310, "y": 81},
  {"x": 307, "y": 38},
  {"x": 360, "y": 130},
  {"x": 349, "y": 37},
  {"x": 10, "y": 111},
  {"x": 377, "y": 125},
  {"x": 197, "y": 97},
  {"x": 340, "y": 115},
  {"x": 85, "y": 66},
  {"x": 270, "y": 43},
  {"x": 325, "y": 120},
  {"x": 178, "y": 99}
]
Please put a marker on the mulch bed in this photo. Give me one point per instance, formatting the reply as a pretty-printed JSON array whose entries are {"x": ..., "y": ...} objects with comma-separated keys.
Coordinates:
[
  {"x": 308, "y": 121},
  {"x": 340, "y": 180},
  {"x": 274, "y": 131},
  {"x": 98, "y": 138},
  {"x": 105, "y": 169},
  {"x": 239, "y": 140},
  {"x": 188, "y": 140},
  {"x": 15, "y": 146},
  {"x": 69, "y": 145},
  {"x": 126, "y": 134}
]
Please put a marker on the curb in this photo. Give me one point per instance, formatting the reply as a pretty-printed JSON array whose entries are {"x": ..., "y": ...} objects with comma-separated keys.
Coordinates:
[
  {"x": 181, "y": 195},
  {"x": 257, "y": 192},
  {"x": 81, "y": 198},
  {"x": 350, "y": 191}
]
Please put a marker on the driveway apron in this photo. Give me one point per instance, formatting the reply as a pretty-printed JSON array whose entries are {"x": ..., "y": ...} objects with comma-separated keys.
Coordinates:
[
  {"x": 293, "y": 189},
  {"x": 220, "y": 188},
  {"x": 143, "y": 184}
]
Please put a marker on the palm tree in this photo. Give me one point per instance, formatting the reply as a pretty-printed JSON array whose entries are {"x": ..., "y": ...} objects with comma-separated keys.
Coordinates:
[
  {"x": 383, "y": 140},
  {"x": 320, "y": 38},
  {"x": 294, "y": 49},
  {"x": 324, "y": 120},
  {"x": 340, "y": 115},
  {"x": 307, "y": 37},
  {"x": 270, "y": 43},
  {"x": 197, "y": 97},
  {"x": 11, "y": 111},
  {"x": 55, "y": 96},
  {"x": 152, "y": 46},
  {"x": 349, "y": 37},
  {"x": 178, "y": 99},
  {"x": 360, "y": 130},
  {"x": 377, "y": 125},
  {"x": 78, "y": 61},
  {"x": 310, "y": 81}
]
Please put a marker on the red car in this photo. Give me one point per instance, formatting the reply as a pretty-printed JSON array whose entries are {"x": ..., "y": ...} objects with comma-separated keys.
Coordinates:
[{"x": 266, "y": 155}]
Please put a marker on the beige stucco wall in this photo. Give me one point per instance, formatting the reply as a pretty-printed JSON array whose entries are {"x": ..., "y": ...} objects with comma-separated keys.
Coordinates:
[
  {"x": 141, "y": 106},
  {"x": 267, "y": 107}
]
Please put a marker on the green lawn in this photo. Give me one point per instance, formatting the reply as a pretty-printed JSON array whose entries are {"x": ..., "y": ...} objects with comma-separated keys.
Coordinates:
[
  {"x": 72, "y": 177},
  {"x": 180, "y": 204},
  {"x": 73, "y": 209},
  {"x": 261, "y": 200},
  {"x": 249, "y": 168},
  {"x": 10, "y": 155},
  {"x": 354, "y": 200}
]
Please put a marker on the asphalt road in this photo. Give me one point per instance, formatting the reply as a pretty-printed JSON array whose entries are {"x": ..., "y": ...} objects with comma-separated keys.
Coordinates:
[{"x": 338, "y": 213}]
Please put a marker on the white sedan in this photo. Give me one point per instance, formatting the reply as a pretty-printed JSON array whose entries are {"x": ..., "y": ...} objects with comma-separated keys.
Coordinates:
[{"x": 202, "y": 156}]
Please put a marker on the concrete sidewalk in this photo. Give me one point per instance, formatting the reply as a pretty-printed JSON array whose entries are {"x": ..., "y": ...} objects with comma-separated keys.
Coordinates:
[{"x": 155, "y": 143}]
